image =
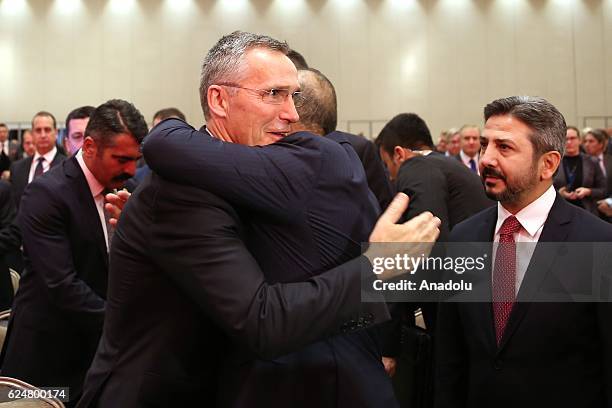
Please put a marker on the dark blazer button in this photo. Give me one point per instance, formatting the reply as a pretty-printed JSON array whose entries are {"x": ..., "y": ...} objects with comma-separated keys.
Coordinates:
[{"x": 497, "y": 364}]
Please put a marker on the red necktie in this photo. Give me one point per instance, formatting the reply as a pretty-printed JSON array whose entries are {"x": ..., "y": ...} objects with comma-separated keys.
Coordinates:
[
  {"x": 504, "y": 275},
  {"x": 39, "y": 167}
]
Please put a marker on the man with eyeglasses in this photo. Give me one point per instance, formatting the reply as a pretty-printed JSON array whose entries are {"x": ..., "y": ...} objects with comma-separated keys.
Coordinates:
[{"x": 199, "y": 306}]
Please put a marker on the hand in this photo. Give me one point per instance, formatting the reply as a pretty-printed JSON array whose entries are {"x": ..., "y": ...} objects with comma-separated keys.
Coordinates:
[
  {"x": 390, "y": 363},
  {"x": 114, "y": 205},
  {"x": 605, "y": 209},
  {"x": 582, "y": 192},
  {"x": 568, "y": 195},
  {"x": 422, "y": 228},
  {"x": 414, "y": 238}
]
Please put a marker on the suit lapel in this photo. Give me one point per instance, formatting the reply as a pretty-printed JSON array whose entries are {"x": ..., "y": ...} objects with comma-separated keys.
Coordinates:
[
  {"x": 556, "y": 229},
  {"x": 87, "y": 203},
  {"x": 483, "y": 310}
]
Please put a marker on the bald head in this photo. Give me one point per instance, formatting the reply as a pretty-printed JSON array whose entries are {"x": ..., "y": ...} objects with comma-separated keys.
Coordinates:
[{"x": 318, "y": 114}]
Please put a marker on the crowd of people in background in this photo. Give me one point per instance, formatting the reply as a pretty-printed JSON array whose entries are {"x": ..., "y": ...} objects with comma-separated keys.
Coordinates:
[{"x": 233, "y": 275}]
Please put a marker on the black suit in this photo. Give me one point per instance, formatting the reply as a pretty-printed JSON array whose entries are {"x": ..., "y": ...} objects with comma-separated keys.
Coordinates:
[
  {"x": 20, "y": 172},
  {"x": 607, "y": 158},
  {"x": 7, "y": 244},
  {"x": 592, "y": 177},
  {"x": 308, "y": 208},
  {"x": 182, "y": 285},
  {"x": 447, "y": 188},
  {"x": 551, "y": 354},
  {"x": 378, "y": 179},
  {"x": 59, "y": 308}
]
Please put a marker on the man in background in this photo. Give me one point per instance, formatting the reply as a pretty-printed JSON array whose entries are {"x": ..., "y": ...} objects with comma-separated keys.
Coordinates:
[
  {"x": 5, "y": 161},
  {"x": 505, "y": 352},
  {"x": 76, "y": 123},
  {"x": 470, "y": 146},
  {"x": 167, "y": 113},
  {"x": 59, "y": 308},
  {"x": 46, "y": 155}
]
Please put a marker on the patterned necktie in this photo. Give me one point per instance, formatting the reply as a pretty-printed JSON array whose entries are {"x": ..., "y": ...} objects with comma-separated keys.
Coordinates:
[
  {"x": 473, "y": 166},
  {"x": 602, "y": 166},
  {"x": 504, "y": 275},
  {"x": 39, "y": 167}
]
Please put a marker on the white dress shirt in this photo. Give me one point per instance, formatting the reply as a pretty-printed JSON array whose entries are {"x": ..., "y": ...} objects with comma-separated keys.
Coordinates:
[
  {"x": 532, "y": 220},
  {"x": 97, "y": 190},
  {"x": 602, "y": 165},
  {"x": 49, "y": 156},
  {"x": 466, "y": 160},
  {"x": 5, "y": 147}
]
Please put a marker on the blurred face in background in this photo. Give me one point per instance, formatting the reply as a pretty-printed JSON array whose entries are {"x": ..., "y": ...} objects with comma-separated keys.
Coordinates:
[
  {"x": 4, "y": 132},
  {"x": 28, "y": 143},
  {"x": 45, "y": 134},
  {"x": 572, "y": 143},
  {"x": 592, "y": 146},
  {"x": 76, "y": 134},
  {"x": 470, "y": 141},
  {"x": 454, "y": 146}
]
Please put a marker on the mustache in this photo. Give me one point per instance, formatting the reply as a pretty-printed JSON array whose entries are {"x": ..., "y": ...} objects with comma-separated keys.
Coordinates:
[
  {"x": 491, "y": 172},
  {"x": 123, "y": 177}
]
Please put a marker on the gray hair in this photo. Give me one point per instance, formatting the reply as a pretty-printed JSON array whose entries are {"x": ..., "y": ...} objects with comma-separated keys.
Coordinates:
[
  {"x": 546, "y": 122},
  {"x": 225, "y": 60}
]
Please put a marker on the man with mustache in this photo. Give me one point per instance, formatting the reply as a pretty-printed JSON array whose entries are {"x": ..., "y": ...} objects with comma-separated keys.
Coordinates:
[
  {"x": 59, "y": 309},
  {"x": 528, "y": 342}
]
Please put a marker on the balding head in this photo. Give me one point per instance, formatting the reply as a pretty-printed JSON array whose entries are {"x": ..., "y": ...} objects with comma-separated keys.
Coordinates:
[{"x": 318, "y": 114}]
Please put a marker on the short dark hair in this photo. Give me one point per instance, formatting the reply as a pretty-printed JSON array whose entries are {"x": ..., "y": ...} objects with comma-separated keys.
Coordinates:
[
  {"x": 298, "y": 59},
  {"x": 3, "y": 125},
  {"x": 319, "y": 112},
  {"x": 407, "y": 130},
  {"x": 79, "y": 113},
  {"x": 574, "y": 128},
  {"x": 169, "y": 113},
  {"x": 599, "y": 134},
  {"x": 45, "y": 113},
  {"x": 114, "y": 117},
  {"x": 546, "y": 122}
]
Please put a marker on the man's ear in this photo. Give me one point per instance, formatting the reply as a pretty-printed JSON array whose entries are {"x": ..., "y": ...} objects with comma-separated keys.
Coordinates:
[
  {"x": 401, "y": 154},
  {"x": 90, "y": 148},
  {"x": 217, "y": 98},
  {"x": 550, "y": 162}
]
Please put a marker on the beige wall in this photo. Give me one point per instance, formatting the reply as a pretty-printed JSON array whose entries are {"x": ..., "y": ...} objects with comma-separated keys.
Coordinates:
[{"x": 444, "y": 59}]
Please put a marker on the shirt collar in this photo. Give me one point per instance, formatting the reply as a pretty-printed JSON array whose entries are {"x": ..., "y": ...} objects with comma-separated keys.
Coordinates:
[
  {"x": 48, "y": 156},
  {"x": 94, "y": 185},
  {"x": 531, "y": 217},
  {"x": 466, "y": 159}
]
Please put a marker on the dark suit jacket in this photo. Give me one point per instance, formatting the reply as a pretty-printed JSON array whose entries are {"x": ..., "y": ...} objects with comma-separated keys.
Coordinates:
[
  {"x": 592, "y": 178},
  {"x": 7, "y": 245},
  {"x": 551, "y": 354},
  {"x": 450, "y": 191},
  {"x": 447, "y": 188},
  {"x": 58, "y": 310},
  {"x": 308, "y": 208},
  {"x": 378, "y": 179},
  {"x": 20, "y": 171},
  {"x": 608, "y": 165},
  {"x": 182, "y": 285}
]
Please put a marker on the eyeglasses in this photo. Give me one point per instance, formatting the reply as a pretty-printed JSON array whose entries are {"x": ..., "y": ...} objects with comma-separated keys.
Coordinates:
[{"x": 274, "y": 96}]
